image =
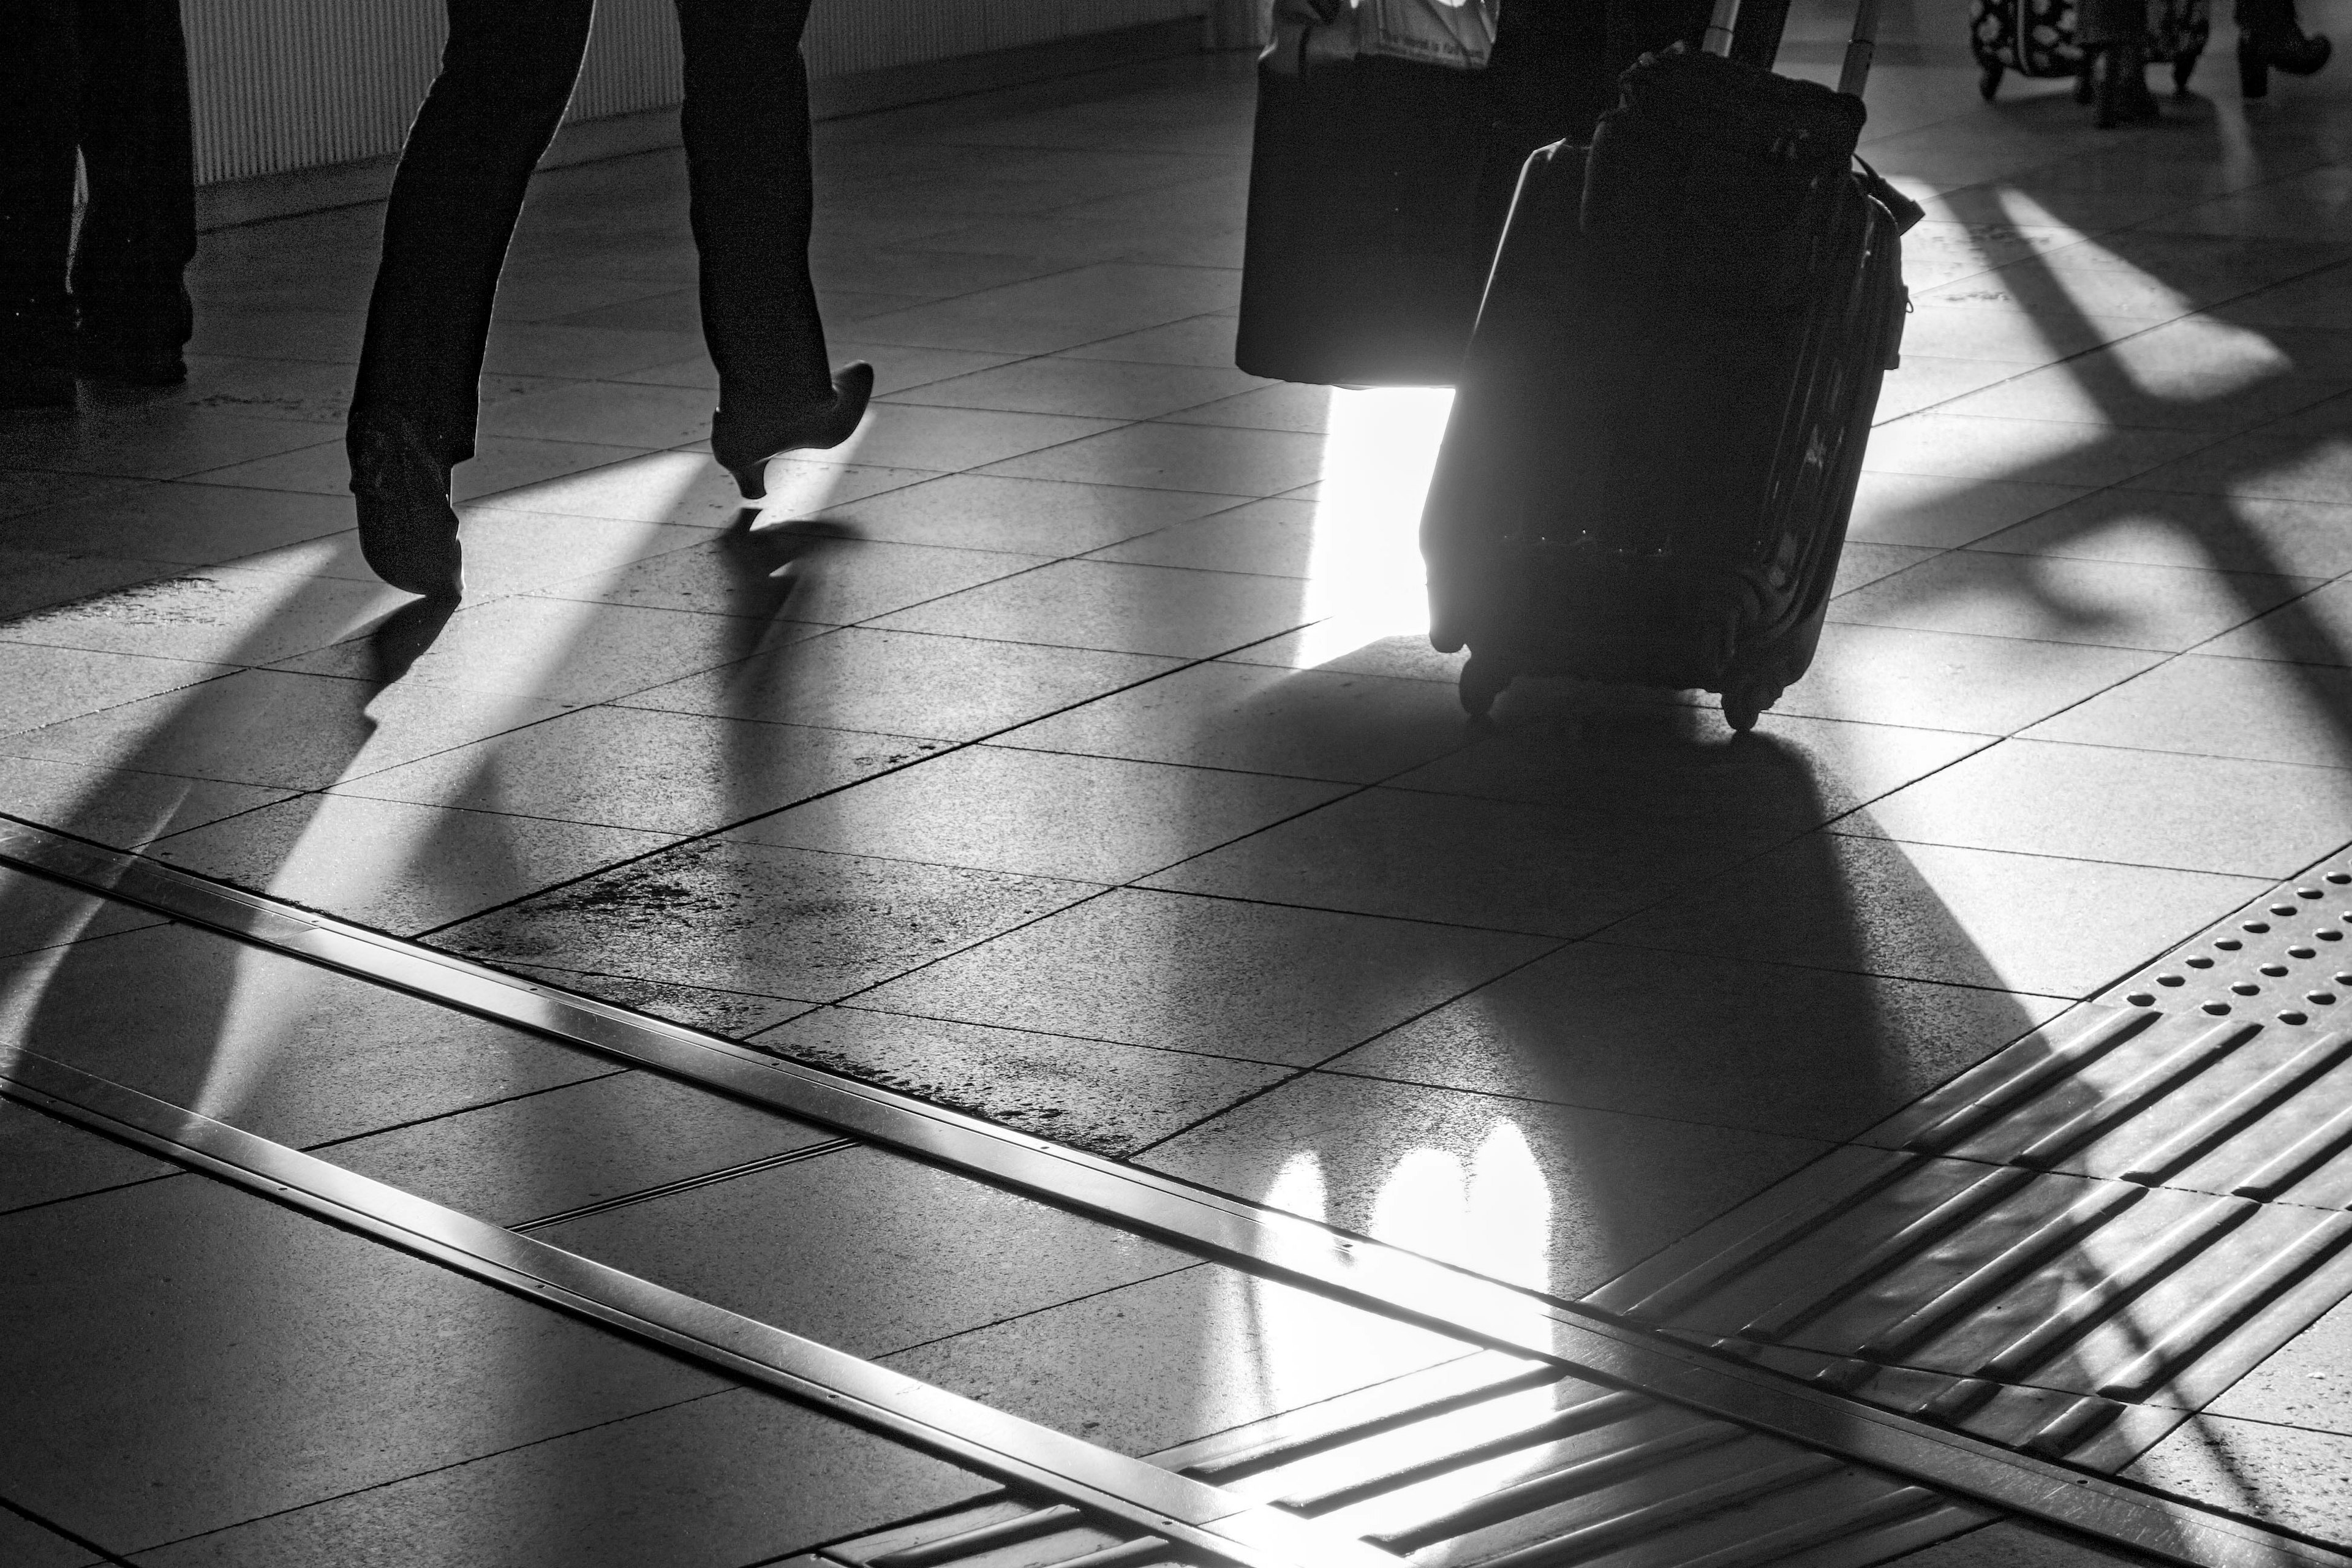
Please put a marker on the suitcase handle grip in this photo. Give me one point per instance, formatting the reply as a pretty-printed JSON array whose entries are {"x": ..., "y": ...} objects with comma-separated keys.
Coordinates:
[
  {"x": 1721, "y": 25},
  {"x": 1860, "y": 48}
]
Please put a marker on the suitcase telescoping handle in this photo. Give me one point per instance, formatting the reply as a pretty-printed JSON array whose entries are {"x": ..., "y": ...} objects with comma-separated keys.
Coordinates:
[{"x": 1859, "y": 49}]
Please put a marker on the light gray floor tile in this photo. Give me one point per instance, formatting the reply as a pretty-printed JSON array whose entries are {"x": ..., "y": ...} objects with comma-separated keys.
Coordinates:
[
  {"x": 30, "y": 490},
  {"x": 752, "y": 917},
  {"x": 499, "y": 463},
  {"x": 37, "y": 913},
  {"x": 1098, "y": 1095},
  {"x": 1495, "y": 865},
  {"x": 1046, "y": 315},
  {"x": 1150, "y": 1365},
  {"x": 1927, "y": 380},
  {"x": 1310, "y": 723},
  {"x": 1047, "y": 814},
  {"x": 689, "y": 489},
  {"x": 1116, "y": 607},
  {"x": 715, "y": 1483},
  {"x": 230, "y": 615},
  {"x": 1772, "y": 1048},
  {"x": 32, "y": 581},
  {"x": 1862, "y": 564},
  {"x": 564, "y": 651},
  {"x": 2100, "y": 389},
  {"x": 1197, "y": 339},
  {"x": 801, "y": 575},
  {"x": 2230, "y": 533},
  {"x": 583, "y": 1143},
  {"x": 1922, "y": 912},
  {"x": 2304, "y": 1384},
  {"x": 401, "y": 867},
  {"x": 1207, "y": 458},
  {"x": 1543, "y": 1197},
  {"x": 505, "y": 551},
  {"x": 1254, "y": 982},
  {"x": 27, "y": 1545},
  {"x": 864, "y": 1252},
  {"x": 545, "y": 348},
  {"x": 2035, "y": 451},
  {"x": 2146, "y": 808},
  {"x": 735, "y": 1013},
  {"x": 279, "y": 1048},
  {"x": 201, "y": 1357},
  {"x": 192, "y": 523},
  {"x": 2012, "y": 336},
  {"x": 1095, "y": 388},
  {"x": 2314, "y": 630},
  {"x": 634, "y": 767},
  {"x": 907, "y": 435},
  {"x": 603, "y": 413},
  {"x": 2275, "y": 462},
  {"x": 904, "y": 683},
  {"x": 279, "y": 729},
  {"x": 42, "y": 685},
  {"x": 1284, "y": 405},
  {"x": 119, "y": 808},
  {"x": 1987, "y": 685},
  {"x": 2048, "y": 598},
  {"x": 1030, "y": 517},
  {"x": 163, "y": 443},
  {"x": 330, "y": 337},
  {"x": 2281, "y": 1475},
  {"x": 2258, "y": 710},
  {"x": 1275, "y": 537},
  {"x": 43, "y": 1160}
]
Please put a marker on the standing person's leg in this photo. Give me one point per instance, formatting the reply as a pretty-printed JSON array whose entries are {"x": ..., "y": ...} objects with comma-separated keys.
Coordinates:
[
  {"x": 39, "y": 108},
  {"x": 747, "y": 145},
  {"x": 506, "y": 75},
  {"x": 2270, "y": 34},
  {"x": 139, "y": 232}
]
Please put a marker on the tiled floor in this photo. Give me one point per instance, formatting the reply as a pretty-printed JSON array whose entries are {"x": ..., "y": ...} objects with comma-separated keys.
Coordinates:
[{"x": 1067, "y": 747}]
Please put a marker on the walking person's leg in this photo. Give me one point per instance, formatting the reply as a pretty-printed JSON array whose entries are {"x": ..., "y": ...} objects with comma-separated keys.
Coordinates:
[
  {"x": 139, "y": 232},
  {"x": 39, "y": 112},
  {"x": 506, "y": 75},
  {"x": 746, "y": 129}
]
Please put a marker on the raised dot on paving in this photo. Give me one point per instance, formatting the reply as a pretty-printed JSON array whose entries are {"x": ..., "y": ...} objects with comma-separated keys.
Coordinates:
[
  {"x": 2247, "y": 988},
  {"x": 2293, "y": 1018}
]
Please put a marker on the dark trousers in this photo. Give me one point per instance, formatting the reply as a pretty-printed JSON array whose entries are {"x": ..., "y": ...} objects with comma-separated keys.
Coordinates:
[
  {"x": 506, "y": 75},
  {"x": 108, "y": 78}
]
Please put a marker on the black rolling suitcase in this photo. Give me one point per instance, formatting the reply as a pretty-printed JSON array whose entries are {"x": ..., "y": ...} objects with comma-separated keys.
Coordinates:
[
  {"x": 2036, "y": 38},
  {"x": 1660, "y": 421}
]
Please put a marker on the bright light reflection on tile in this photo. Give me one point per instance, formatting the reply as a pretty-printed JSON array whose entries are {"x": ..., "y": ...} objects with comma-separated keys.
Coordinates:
[{"x": 1365, "y": 565}]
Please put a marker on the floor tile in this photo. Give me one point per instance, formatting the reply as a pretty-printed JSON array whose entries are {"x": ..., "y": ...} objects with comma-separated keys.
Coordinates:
[
  {"x": 2103, "y": 389},
  {"x": 1930, "y": 380},
  {"x": 884, "y": 1254},
  {"x": 1671, "y": 767},
  {"x": 32, "y": 581},
  {"x": 908, "y": 436},
  {"x": 1249, "y": 981},
  {"x": 331, "y": 337},
  {"x": 499, "y": 463},
  {"x": 1309, "y": 723},
  {"x": 401, "y": 867},
  {"x": 1862, "y": 564},
  {"x": 41, "y": 684},
  {"x": 1964, "y": 917},
  {"x": 689, "y": 489},
  {"x": 192, "y": 523},
  {"x": 1495, "y": 865},
  {"x": 1047, "y": 813},
  {"x": 119, "y": 808},
  {"x": 1096, "y": 1095},
  {"x": 1153, "y": 1364},
  {"x": 545, "y": 348},
  {"x": 1988, "y": 685},
  {"x": 2314, "y": 630},
  {"x": 752, "y": 917},
  {"x": 1062, "y": 312},
  {"x": 734, "y": 1477},
  {"x": 2139, "y": 807},
  {"x": 1276, "y": 538},
  {"x": 1283, "y": 405},
  {"x": 276, "y": 728},
  {"x": 1181, "y": 458},
  {"x": 1801, "y": 1052},
  {"x": 543, "y": 1154},
  {"x": 604, "y": 414},
  {"x": 1955, "y": 332},
  {"x": 1116, "y": 607},
  {"x": 2280, "y": 1475},
  {"x": 634, "y": 767},
  {"x": 163, "y": 443},
  {"x": 43, "y": 1160},
  {"x": 1030, "y": 517},
  {"x": 1549, "y": 1198},
  {"x": 29, "y": 489},
  {"x": 233, "y": 615},
  {"x": 730, "y": 1013},
  {"x": 801, "y": 575},
  {"x": 2212, "y": 533},
  {"x": 1096, "y": 388},
  {"x": 561, "y": 650},
  {"x": 35, "y": 913},
  {"x": 28, "y": 1545},
  {"x": 2277, "y": 461},
  {"x": 1197, "y": 339},
  {"x": 2039, "y": 451},
  {"x": 2050, "y": 598},
  {"x": 132, "y": 1327},
  {"x": 2257, "y": 710},
  {"x": 294, "y": 1053},
  {"x": 903, "y": 683}
]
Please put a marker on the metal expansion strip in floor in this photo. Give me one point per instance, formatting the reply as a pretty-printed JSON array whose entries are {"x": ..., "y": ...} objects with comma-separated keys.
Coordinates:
[{"x": 1904, "y": 1449}]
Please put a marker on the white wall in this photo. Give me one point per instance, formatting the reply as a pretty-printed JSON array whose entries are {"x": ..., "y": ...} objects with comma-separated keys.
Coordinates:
[{"x": 282, "y": 85}]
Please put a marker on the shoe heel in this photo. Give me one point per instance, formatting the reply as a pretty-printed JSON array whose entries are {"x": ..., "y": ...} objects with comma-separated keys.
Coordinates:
[
  {"x": 2253, "y": 75},
  {"x": 751, "y": 482}
]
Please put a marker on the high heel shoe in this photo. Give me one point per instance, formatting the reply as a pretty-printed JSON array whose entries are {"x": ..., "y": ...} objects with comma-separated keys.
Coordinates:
[
  {"x": 2269, "y": 36},
  {"x": 743, "y": 438},
  {"x": 408, "y": 530}
]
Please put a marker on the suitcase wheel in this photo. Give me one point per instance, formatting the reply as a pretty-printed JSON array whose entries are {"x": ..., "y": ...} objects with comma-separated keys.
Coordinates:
[
  {"x": 1990, "y": 82},
  {"x": 2182, "y": 69},
  {"x": 1483, "y": 681},
  {"x": 1743, "y": 705}
]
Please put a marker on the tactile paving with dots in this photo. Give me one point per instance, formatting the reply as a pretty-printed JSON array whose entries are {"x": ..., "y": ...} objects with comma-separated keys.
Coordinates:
[{"x": 2285, "y": 958}]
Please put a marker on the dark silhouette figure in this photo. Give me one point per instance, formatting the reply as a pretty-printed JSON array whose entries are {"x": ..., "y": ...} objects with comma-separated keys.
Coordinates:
[
  {"x": 506, "y": 75},
  {"x": 107, "y": 80}
]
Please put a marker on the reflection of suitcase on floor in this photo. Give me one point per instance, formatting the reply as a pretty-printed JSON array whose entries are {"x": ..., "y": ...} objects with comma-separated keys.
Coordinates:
[
  {"x": 2036, "y": 38},
  {"x": 1660, "y": 422}
]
